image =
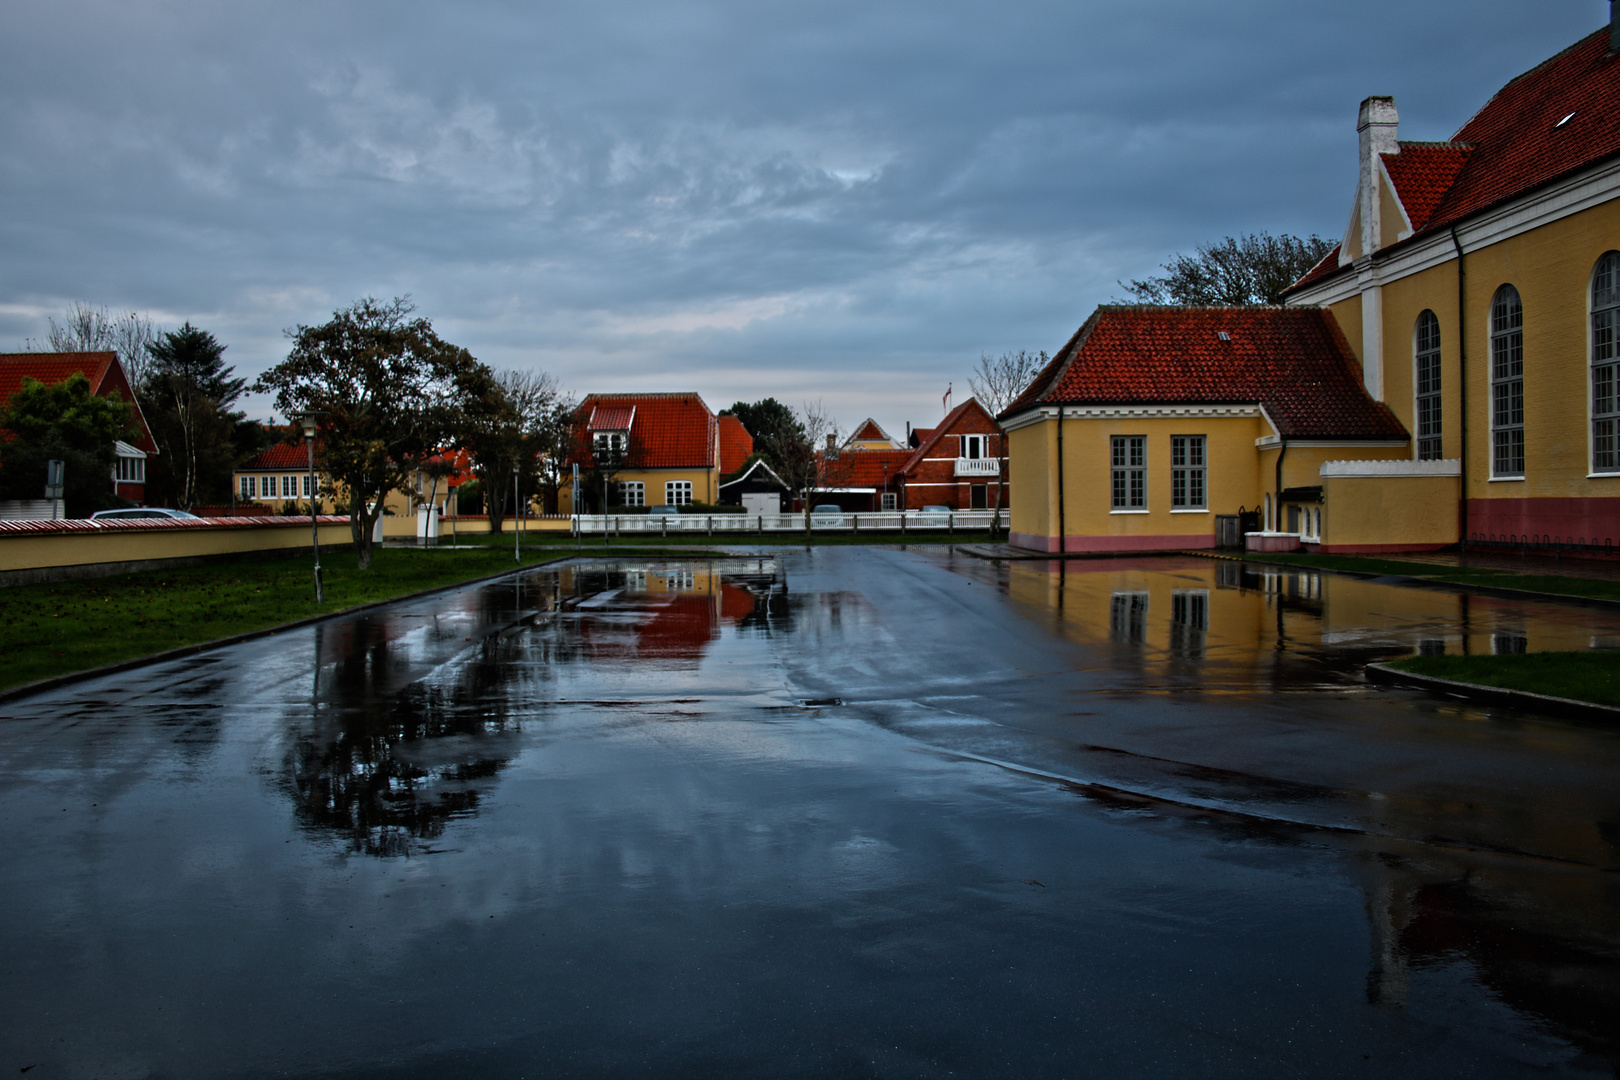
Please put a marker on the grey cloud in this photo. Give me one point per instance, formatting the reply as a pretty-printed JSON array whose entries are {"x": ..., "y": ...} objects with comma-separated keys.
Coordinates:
[{"x": 853, "y": 197}]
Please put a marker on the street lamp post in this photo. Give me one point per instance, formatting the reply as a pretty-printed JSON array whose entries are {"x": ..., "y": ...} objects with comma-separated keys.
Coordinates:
[
  {"x": 517, "y": 550},
  {"x": 308, "y": 420}
]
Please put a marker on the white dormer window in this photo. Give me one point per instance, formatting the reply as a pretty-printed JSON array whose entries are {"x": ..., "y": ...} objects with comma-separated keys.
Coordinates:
[
  {"x": 975, "y": 446},
  {"x": 613, "y": 442}
]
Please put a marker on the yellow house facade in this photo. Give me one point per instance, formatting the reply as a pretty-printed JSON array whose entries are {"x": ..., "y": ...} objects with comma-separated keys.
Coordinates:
[{"x": 656, "y": 449}]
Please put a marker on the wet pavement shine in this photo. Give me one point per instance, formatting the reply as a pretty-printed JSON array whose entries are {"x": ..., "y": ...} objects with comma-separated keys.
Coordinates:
[{"x": 844, "y": 812}]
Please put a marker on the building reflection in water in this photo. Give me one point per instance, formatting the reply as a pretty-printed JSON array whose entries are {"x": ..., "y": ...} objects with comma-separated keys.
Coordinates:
[
  {"x": 1513, "y": 889},
  {"x": 416, "y": 714},
  {"x": 1222, "y": 626}
]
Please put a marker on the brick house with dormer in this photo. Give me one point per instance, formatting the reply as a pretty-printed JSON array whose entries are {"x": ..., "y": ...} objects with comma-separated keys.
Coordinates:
[{"x": 958, "y": 464}]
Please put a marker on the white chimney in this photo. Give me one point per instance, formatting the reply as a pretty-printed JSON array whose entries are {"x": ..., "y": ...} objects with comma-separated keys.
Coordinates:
[{"x": 1378, "y": 126}]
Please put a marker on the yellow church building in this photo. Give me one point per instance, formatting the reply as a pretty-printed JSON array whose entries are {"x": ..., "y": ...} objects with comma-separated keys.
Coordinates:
[{"x": 1475, "y": 298}]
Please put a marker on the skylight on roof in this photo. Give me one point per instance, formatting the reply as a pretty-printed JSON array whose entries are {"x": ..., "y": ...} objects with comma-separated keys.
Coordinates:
[
  {"x": 1564, "y": 121},
  {"x": 1223, "y": 335}
]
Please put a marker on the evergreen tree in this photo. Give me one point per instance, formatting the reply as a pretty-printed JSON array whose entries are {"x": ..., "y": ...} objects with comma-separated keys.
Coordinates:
[{"x": 186, "y": 396}]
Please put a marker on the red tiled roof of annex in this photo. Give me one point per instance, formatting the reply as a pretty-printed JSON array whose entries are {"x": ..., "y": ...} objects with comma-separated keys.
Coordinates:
[
  {"x": 669, "y": 431},
  {"x": 1557, "y": 118},
  {"x": 1295, "y": 362},
  {"x": 106, "y": 376},
  {"x": 736, "y": 445}
]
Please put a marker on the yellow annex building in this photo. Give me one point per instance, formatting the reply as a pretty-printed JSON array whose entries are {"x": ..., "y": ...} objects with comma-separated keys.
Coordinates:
[{"x": 1475, "y": 298}]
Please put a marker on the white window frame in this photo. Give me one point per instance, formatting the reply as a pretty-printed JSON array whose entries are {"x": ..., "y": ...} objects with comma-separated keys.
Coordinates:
[
  {"x": 615, "y": 441},
  {"x": 129, "y": 470},
  {"x": 632, "y": 493},
  {"x": 1128, "y": 474},
  {"x": 677, "y": 493},
  {"x": 305, "y": 481},
  {"x": 1427, "y": 403},
  {"x": 1604, "y": 353},
  {"x": 890, "y": 501},
  {"x": 247, "y": 487},
  {"x": 975, "y": 447},
  {"x": 1507, "y": 384},
  {"x": 1189, "y": 472}
]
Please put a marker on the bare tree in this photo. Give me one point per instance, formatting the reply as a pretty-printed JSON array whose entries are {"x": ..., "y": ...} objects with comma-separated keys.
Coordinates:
[
  {"x": 93, "y": 329},
  {"x": 998, "y": 380}
]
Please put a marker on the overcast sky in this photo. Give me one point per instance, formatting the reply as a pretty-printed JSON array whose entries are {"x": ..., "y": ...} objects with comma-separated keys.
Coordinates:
[{"x": 833, "y": 200}]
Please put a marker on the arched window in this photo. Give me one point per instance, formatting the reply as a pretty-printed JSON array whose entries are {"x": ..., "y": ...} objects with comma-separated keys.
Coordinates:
[
  {"x": 1606, "y": 364},
  {"x": 1427, "y": 361},
  {"x": 1507, "y": 383}
]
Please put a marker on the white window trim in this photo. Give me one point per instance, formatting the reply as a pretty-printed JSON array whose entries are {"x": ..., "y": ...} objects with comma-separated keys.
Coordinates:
[
  {"x": 1417, "y": 407},
  {"x": 1591, "y": 419},
  {"x": 1492, "y": 382}
]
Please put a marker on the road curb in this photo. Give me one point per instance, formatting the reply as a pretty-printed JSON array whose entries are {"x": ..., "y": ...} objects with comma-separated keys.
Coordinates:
[
  {"x": 38, "y": 685},
  {"x": 1385, "y": 675}
]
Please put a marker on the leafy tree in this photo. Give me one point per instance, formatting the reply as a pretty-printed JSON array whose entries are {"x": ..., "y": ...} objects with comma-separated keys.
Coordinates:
[
  {"x": 388, "y": 390},
  {"x": 66, "y": 422},
  {"x": 1248, "y": 270},
  {"x": 772, "y": 424},
  {"x": 91, "y": 329},
  {"x": 186, "y": 397}
]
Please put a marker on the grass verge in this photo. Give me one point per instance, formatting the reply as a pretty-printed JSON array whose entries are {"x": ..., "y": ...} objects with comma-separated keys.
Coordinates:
[
  {"x": 57, "y": 629},
  {"x": 1582, "y": 676},
  {"x": 1551, "y": 584}
]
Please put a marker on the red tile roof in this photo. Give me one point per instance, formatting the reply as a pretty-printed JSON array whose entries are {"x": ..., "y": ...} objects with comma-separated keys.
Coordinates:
[
  {"x": 282, "y": 456},
  {"x": 870, "y": 468},
  {"x": 736, "y": 445},
  {"x": 669, "y": 431},
  {"x": 1422, "y": 174},
  {"x": 1295, "y": 362},
  {"x": 105, "y": 373},
  {"x": 1554, "y": 120},
  {"x": 611, "y": 418}
]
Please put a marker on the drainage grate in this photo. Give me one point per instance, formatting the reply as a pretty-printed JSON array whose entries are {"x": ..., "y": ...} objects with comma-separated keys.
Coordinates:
[{"x": 817, "y": 701}]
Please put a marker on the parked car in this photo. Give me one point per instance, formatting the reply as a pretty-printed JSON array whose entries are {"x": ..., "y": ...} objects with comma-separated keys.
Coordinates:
[
  {"x": 936, "y": 509},
  {"x": 142, "y": 512},
  {"x": 827, "y": 516},
  {"x": 663, "y": 511}
]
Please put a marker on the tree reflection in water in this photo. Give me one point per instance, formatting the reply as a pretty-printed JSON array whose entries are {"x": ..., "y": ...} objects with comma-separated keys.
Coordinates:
[{"x": 416, "y": 716}]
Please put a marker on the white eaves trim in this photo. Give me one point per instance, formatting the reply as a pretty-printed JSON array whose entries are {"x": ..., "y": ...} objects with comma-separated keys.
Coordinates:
[
  {"x": 1132, "y": 412},
  {"x": 1585, "y": 190},
  {"x": 123, "y": 449},
  {"x": 1388, "y": 469}
]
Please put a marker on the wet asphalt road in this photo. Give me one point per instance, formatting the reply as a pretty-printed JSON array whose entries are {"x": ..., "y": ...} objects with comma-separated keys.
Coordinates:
[{"x": 1123, "y": 819}]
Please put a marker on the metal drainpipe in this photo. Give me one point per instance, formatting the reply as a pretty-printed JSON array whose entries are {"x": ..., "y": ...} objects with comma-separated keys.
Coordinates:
[
  {"x": 1276, "y": 507},
  {"x": 1462, "y": 397},
  {"x": 1063, "y": 526}
]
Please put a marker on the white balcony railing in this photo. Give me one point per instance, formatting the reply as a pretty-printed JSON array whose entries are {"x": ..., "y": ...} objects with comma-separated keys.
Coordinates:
[{"x": 987, "y": 466}]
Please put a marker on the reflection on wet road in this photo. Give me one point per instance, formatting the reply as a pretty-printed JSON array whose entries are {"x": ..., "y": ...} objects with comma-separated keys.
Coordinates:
[{"x": 1108, "y": 818}]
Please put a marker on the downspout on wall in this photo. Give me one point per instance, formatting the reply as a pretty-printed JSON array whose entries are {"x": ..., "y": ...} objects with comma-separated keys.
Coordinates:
[
  {"x": 1276, "y": 506},
  {"x": 1063, "y": 529},
  {"x": 1462, "y": 374}
]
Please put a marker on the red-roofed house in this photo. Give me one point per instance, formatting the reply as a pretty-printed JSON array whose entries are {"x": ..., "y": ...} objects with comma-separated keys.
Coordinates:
[
  {"x": 671, "y": 443},
  {"x": 957, "y": 464},
  {"x": 869, "y": 435},
  {"x": 1478, "y": 283},
  {"x": 1152, "y": 421},
  {"x": 107, "y": 379}
]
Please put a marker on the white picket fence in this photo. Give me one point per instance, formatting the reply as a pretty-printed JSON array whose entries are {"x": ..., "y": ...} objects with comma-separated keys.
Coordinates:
[{"x": 925, "y": 522}]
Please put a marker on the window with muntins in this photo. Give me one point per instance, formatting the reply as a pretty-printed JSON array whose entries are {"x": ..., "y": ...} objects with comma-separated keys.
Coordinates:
[
  {"x": 975, "y": 446},
  {"x": 1427, "y": 363},
  {"x": 245, "y": 484},
  {"x": 678, "y": 493},
  {"x": 1507, "y": 384},
  {"x": 632, "y": 493},
  {"x": 1606, "y": 364},
  {"x": 1130, "y": 472},
  {"x": 1187, "y": 472},
  {"x": 131, "y": 470}
]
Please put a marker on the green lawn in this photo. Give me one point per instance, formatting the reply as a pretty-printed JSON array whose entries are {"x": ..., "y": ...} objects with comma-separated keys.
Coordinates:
[
  {"x": 1583, "y": 676},
  {"x": 48, "y": 630},
  {"x": 1497, "y": 579}
]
